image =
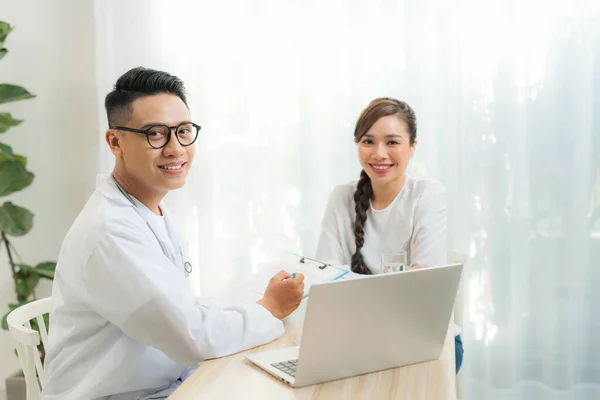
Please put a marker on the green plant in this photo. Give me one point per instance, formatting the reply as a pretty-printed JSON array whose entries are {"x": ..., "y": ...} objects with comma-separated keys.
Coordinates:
[{"x": 15, "y": 220}]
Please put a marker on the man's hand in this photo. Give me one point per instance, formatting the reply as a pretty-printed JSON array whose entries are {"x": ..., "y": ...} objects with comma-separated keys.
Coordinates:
[
  {"x": 283, "y": 295},
  {"x": 416, "y": 267}
]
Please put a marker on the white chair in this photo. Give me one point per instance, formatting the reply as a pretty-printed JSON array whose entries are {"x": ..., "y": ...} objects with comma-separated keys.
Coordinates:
[{"x": 27, "y": 341}]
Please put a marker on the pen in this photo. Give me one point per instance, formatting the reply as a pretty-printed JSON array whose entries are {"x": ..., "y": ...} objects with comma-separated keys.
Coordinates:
[{"x": 291, "y": 276}]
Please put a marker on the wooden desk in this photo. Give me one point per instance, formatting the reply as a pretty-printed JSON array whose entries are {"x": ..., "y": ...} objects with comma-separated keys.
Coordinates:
[{"x": 234, "y": 377}]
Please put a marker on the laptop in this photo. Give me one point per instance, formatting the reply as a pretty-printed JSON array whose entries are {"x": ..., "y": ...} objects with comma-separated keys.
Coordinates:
[{"x": 378, "y": 322}]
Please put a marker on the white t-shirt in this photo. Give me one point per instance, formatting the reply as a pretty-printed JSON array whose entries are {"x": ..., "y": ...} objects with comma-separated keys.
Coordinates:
[
  {"x": 159, "y": 224},
  {"x": 415, "y": 221},
  {"x": 170, "y": 240}
]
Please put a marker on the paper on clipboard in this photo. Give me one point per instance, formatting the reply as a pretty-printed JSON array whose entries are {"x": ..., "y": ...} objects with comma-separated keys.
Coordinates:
[{"x": 311, "y": 271}]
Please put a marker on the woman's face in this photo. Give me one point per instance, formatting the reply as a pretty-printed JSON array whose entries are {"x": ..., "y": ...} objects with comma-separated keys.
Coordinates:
[{"x": 384, "y": 151}]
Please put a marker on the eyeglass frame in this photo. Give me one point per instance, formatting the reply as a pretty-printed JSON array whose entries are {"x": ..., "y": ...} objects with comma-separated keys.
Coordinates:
[{"x": 170, "y": 128}]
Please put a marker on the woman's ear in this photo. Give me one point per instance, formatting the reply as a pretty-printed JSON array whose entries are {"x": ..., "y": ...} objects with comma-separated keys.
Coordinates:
[{"x": 413, "y": 147}]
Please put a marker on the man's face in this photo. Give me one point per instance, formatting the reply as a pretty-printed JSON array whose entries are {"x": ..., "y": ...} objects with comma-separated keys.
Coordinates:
[{"x": 155, "y": 170}]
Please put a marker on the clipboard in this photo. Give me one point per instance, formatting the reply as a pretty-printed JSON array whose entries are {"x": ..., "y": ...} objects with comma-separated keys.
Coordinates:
[
  {"x": 314, "y": 272},
  {"x": 251, "y": 288},
  {"x": 326, "y": 272}
]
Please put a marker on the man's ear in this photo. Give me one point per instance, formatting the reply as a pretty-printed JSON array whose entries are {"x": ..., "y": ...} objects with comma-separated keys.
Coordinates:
[{"x": 114, "y": 140}]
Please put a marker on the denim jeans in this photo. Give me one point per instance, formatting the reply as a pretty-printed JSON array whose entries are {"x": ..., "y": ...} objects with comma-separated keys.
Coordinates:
[{"x": 458, "y": 352}]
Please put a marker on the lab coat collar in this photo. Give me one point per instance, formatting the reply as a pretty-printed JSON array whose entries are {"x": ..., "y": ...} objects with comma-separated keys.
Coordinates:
[{"x": 106, "y": 185}]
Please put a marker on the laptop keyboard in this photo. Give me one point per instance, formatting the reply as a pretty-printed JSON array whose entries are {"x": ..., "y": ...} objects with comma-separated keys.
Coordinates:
[{"x": 289, "y": 367}]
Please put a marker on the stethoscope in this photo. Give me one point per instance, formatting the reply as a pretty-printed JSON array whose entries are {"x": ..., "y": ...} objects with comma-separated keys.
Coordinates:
[{"x": 187, "y": 267}]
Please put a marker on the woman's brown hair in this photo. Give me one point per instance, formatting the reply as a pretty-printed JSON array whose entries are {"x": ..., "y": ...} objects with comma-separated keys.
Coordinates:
[{"x": 378, "y": 108}]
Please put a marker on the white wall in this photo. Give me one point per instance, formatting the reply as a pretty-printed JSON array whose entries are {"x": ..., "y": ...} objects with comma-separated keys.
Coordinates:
[{"x": 51, "y": 53}]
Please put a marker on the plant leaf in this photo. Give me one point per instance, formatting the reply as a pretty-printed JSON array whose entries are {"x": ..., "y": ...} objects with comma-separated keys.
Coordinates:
[
  {"x": 4, "y": 322},
  {"x": 21, "y": 159},
  {"x": 27, "y": 279},
  {"x": 7, "y": 121},
  {"x": 47, "y": 266},
  {"x": 24, "y": 269},
  {"x": 15, "y": 220},
  {"x": 21, "y": 289},
  {"x": 13, "y": 177},
  {"x": 46, "y": 269},
  {"x": 31, "y": 281},
  {"x": 7, "y": 151},
  {"x": 3, "y": 53},
  {"x": 34, "y": 325},
  {"x": 10, "y": 93},
  {"x": 45, "y": 274},
  {"x": 11, "y": 307},
  {"x": 5, "y": 29}
]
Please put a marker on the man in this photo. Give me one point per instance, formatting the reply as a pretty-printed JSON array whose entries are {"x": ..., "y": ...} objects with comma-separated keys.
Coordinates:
[{"x": 126, "y": 325}]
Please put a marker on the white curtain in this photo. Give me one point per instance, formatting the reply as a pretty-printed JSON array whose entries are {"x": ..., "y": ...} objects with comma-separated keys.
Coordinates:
[{"x": 508, "y": 99}]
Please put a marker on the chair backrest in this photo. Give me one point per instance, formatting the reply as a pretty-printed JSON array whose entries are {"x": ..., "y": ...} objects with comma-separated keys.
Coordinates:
[{"x": 27, "y": 340}]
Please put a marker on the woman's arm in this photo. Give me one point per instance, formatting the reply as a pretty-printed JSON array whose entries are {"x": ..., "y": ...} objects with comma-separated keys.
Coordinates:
[
  {"x": 428, "y": 241},
  {"x": 329, "y": 248}
]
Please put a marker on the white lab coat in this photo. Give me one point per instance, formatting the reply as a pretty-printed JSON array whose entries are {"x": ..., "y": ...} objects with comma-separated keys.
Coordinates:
[{"x": 126, "y": 324}]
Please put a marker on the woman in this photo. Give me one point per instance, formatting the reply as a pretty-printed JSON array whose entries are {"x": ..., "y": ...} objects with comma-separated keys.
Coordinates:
[{"x": 386, "y": 209}]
